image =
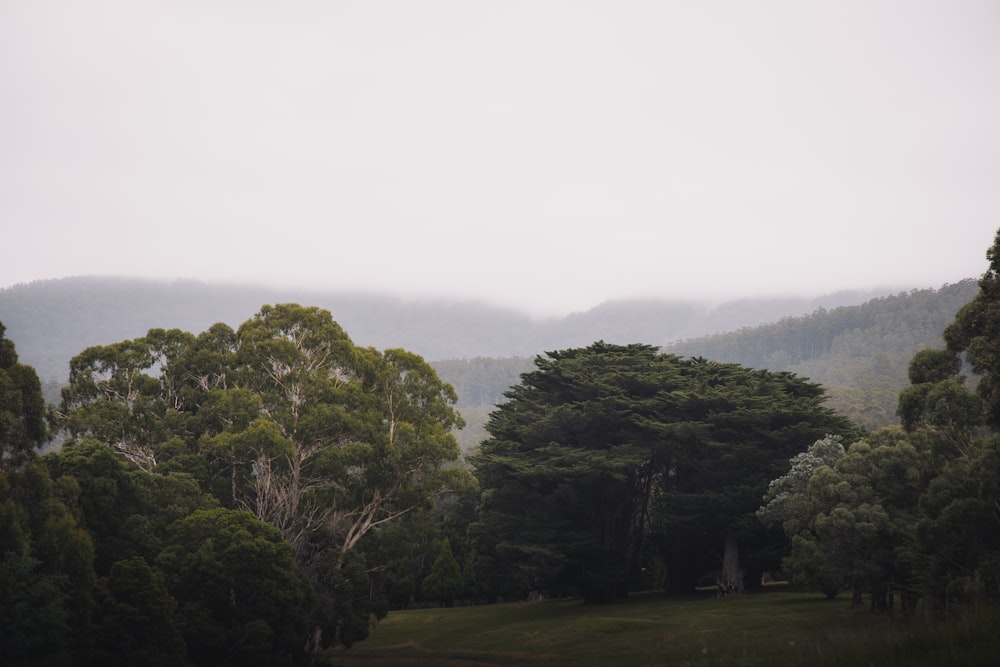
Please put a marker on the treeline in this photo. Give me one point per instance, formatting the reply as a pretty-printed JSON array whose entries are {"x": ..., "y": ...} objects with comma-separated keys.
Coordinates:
[
  {"x": 903, "y": 322},
  {"x": 858, "y": 353}
]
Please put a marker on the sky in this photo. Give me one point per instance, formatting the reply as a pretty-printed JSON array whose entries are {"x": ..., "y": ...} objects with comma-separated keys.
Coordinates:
[{"x": 542, "y": 155}]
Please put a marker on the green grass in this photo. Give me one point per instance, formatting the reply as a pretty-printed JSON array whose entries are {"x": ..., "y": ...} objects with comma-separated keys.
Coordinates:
[{"x": 768, "y": 629}]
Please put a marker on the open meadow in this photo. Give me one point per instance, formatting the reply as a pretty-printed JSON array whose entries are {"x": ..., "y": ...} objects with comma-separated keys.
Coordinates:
[{"x": 770, "y": 628}]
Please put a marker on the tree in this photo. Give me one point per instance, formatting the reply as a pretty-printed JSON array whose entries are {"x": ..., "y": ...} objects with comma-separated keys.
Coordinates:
[
  {"x": 137, "y": 620},
  {"x": 783, "y": 504},
  {"x": 46, "y": 570},
  {"x": 855, "y": 521},
  {"x": 791, "y": 504},
  {"x": 112, "y": 397},
  {"x": 602, "y": 447},
  {"x": 913, "y": 511},
  {"x": 284, "y": 417},
  {"x": 444, "y": 583},
  {"x": 976, "y": 332},
  {"x": 22, "y": 407},
  {"x": 243, "y": 599}
]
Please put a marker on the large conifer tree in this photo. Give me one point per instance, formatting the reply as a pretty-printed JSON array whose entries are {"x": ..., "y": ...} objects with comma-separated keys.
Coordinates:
[{"x": 609, "y": 457}]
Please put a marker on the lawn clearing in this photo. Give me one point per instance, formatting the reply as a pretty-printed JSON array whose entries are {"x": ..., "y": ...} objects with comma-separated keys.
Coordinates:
[{"x": 772, "y": 628}]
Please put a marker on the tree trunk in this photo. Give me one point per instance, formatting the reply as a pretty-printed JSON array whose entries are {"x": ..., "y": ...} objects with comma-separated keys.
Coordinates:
[{"x": 732, "y": 574}]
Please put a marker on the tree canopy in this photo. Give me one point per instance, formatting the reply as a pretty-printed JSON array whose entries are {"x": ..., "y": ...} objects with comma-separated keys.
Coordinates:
[
  {"x": 610, "y": 458},
  {"x": 22, "y": 407},
  {"x": 283, "y": 418},
  {"x": 912, "y": 511}
]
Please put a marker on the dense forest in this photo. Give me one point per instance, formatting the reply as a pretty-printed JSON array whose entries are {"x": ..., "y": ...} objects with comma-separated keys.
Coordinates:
[
  {"x": 859, "y": 353},
  {"x": 257, "y": 494}
]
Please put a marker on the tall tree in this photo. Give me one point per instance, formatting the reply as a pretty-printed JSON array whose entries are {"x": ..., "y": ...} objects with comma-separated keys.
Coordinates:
[
  {"x": 22, "y": 407},
  {"x": 602, "y": 447},
  {"x": 244, "y": 600},
  {"x": 976, "y": 332},
  {"x": 284, "y": 417},
  {"x": 444, "y": 582}
]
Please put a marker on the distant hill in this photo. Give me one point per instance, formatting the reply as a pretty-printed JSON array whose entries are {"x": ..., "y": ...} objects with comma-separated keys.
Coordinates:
[
  {"x": 860, "y": 353},
  {"x": 51, "y": 321},
  {"x": 858, "y": 344}
]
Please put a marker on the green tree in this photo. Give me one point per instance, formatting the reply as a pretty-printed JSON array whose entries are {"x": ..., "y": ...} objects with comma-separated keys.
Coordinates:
[
  {"x": 284, "y": 417},
  {"x": 602, "y": 447},
  {"x": 862, "y": 520},
  {"x": 137, "y": 622},
  {"x": 959, "y": 528},
  {"x": 47, "y": 572},
  {"x": 976, "y": 332},
  {"x": 783, "y": 504},
  {"x": 310, "y": 432},
  {"x": 127, "y": 510},
  {"x": 114, "y": 396},
  {"x": 793, "y": 502},
  {"x": 22, "y": 407},
  {"x": 444, "y": 583},
  {"x": 243, "y": 599}
]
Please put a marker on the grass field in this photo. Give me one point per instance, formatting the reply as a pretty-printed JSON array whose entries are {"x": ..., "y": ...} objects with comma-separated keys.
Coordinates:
[{"x": 768, "y": 629}]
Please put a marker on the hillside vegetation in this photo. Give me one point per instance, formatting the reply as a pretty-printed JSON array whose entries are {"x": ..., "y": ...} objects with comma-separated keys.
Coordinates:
[
  {"x": 859, "y": 353},
  {"x": 858, "y": 349},
  {"x": 53, "y": 320}
]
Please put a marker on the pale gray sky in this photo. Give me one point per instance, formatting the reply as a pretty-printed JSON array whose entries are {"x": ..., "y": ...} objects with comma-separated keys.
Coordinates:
[{"x": 545, "y": 155}]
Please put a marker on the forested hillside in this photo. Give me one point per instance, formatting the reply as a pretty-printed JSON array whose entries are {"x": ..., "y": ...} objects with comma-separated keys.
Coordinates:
[
  {"x": 859, "y": 353},
  {"x": 52, "y": 320}
]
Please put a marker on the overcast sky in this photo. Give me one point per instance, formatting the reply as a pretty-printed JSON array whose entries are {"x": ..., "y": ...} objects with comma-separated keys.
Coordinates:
[{"x": 545, "y": 155}]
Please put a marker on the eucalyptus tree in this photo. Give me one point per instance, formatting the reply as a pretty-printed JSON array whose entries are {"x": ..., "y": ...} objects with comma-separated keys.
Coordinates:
[
  {"x": 283, "y": 417},
  {"x": 115, "y": 395},
  {"x": 311, "y": 433}
]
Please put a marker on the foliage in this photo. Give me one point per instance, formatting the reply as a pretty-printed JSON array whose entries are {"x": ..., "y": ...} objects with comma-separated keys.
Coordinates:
[
  {"x": 976, "y": 332},
  {"x": 913, "y": 511},
  {"x": 242, "y": 596},
  {"x": 860, "y": 353},
  {"x": 137, "y": 621},
  {"x": 283, "y": 417},
  {"x": 783, "y": 504},
  {"x": 600, "y": 445},
  {"x": 46, "y": 571},
  {"x": 346, "y": 602},
  {"x": 444, "y": 583},
  {"x": 22, "y": 406}
]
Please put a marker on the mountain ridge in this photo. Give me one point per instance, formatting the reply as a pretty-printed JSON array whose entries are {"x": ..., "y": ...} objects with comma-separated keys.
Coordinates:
[{"x": 51, "y": 321}]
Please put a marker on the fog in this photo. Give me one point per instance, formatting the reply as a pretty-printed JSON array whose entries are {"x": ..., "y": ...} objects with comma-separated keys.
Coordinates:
[{"x": 542, "y": 155}]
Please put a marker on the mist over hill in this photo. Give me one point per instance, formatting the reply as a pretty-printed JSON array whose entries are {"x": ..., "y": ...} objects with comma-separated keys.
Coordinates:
[
  {"x": 50, "y": 321},
  {"x": 857, "y": 344}
]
